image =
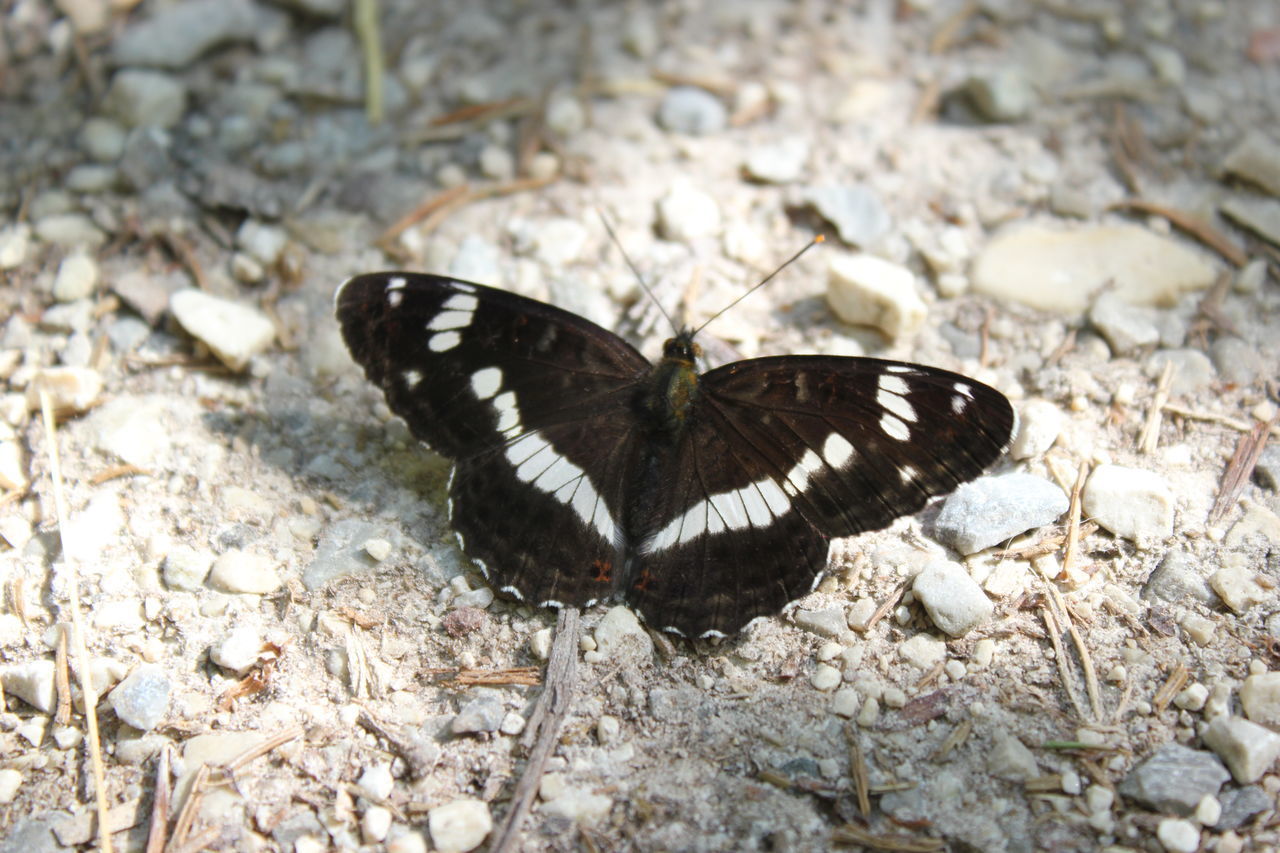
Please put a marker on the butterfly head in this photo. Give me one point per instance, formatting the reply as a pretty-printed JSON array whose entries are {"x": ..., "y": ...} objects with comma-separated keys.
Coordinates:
[{"x": 681, "y": 349}]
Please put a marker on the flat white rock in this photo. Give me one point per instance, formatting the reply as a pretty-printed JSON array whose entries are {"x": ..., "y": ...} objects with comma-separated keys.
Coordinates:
[
  {"x": 1131, "y": 503},
  {"x": 233, "y": 332},
  {"x": 864, "y": 290},
  {"x": 1061, "y": 270}
]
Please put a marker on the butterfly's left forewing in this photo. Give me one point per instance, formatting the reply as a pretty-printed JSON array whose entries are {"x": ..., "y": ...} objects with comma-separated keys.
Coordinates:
[
  {"x": 531, "y": 403},
  {"x": 782, "y": 454}
]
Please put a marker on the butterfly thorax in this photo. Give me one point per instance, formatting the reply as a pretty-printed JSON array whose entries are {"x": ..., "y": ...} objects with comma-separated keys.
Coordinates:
[{"x": 668, "y": 396}]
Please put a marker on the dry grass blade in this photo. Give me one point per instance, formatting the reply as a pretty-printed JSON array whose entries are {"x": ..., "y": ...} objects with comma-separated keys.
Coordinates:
[
  {"x": 72, "y": 582},
  {"x": 271, "y": 743},
  {"x": 117, "y": 471},
  {"x": 1200, "y": 230},
  {"x": 889, "y": 604},
  {"x": 1218, "y": 418},
  {"x": 158, "y": 831},
  {"x": 62, "y": 679},
  {"x": 850, "y": 834},
  {"x": 1060, "y": 655},
  {"x": 1072, "y": 544},
  {"x": 365, "y": 20},
  {"x": 1172, "y": 687},
  {"x": 858, "y": 770},
  {"x": 950, "y": 28},
  {"x": 1245, "y": 458},
  {"x": 1150, "y": 435},
  {"x": 187, "y": 815},
  {"x": 421, "y": 212}
]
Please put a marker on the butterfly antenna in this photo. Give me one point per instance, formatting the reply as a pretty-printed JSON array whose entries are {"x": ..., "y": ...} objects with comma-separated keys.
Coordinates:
[
  {"x": 635, "y": 271},
  {"x": 788, "y": 262}
]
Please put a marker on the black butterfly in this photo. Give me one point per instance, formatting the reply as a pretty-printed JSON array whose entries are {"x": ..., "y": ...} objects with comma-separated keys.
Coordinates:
[{"x": 583, "y": 472}]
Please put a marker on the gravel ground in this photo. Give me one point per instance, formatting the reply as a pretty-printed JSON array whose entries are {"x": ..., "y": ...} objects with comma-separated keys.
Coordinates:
[{"x": 1079, "y": 205}]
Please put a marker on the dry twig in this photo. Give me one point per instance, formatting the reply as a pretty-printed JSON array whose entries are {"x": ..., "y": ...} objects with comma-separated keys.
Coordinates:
[
  {"x": 1150, "y": 435},
  {"x": 542, "y": 732}
]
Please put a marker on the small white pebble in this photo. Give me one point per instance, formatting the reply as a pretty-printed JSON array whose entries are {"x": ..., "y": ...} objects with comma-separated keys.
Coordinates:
[
  {"x": 1208, "y": 810},
  {"x": 1192, "y": 698},
  {"x": 894, "y": 697},
  {"x": 829, "y": 650},
  {"x": 1178, "y": 836},
  {"x": 378, "y": 549},
  {"x": 374, "y": 824},
  {"x": 1099, "y": 798},
  {"x": 869, "y": 714},
  {"x": 825, "y": 677},
  {"x": 1070, "y": 782}
]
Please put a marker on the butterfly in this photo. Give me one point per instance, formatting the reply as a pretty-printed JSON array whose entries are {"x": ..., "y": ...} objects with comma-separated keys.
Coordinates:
[{"x": 582, "y": 472}]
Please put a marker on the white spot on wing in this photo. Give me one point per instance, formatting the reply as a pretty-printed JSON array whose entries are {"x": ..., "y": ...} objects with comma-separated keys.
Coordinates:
[
  {"x": 837, "y": 450},
  {"x": 461, "y": 302},
  {"x": 508, "y": 414},
  {"x": 538, "y": 463},
  {"x": 551, "y": 602},
  {"x": 412, "y": 378},
  {"x": 964, "y": 390},
  {"x": 899, "y": 368},
  {"x": 394, "y": 298},
  {"x": 513, "y": 592},
  {"x": 908, "y": 474},
  {"x": 444, "y": 341},
  {"x": 463, "y": 286},
  {"x": 898, "y": 405},
  {"x": 895, "y": 428},
  {"x": 486, "y": 381},
  {"x": 893, "y": 385},
  {"x": 959, "y": 403},
  {"x": 446, "y": 320},
  {"x": 482, "y": 566},
  {"x": 397, "y": 283}
]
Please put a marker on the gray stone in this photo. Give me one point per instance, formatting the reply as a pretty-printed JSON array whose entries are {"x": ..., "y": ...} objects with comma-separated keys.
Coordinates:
[
  {"x": 620, "y": 636},
  {"x": 857, "y": 213},
  {"x": 1010, "y": 759},
  {"x": 146, "y": 163},
  {"x": 142, "y": 98},
  {"x": 1192, "y": 369},
  {"x": 142, "y": 699},
  {"x": 186, "y": 568},
  {"x": 953, "y": 599},
  {"x": 1267, "y": 472},
  {"x": 1256, "y": 159},
  {"x": 102, "y": 139},
  {"x": 779, "y": 163},
  {"x": 15, "y": 240},
  {"x": 1177, "y": 578},
  {"x": 1003, "y": 95},
  {"x": 341, "y": 553},
  {"x": 686, "y": 109},
  {"x": 991, "y": 510},
  {"x": 71, "y": 230},
  {"x": 181, "y": 32},
  {"x": 484, "y": 713},
  {"x": 1260, "y": 215},
  {"x": 1174, "y": 779},
  {"x": 1127, "y": 328},
  {"x": 91, "y": 178},
  {"x": 830, "y": 622},
  {"x": 77, "y": 274},
  {"x": 1241, "y": 804},
  {"x": 1237, "y": 361}
]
